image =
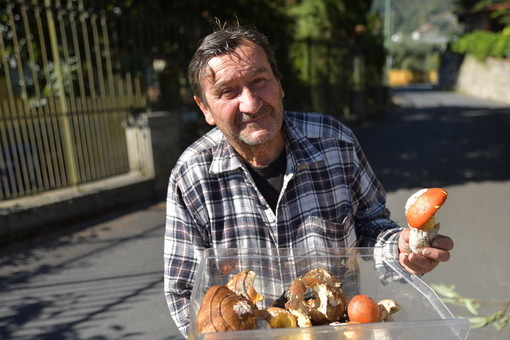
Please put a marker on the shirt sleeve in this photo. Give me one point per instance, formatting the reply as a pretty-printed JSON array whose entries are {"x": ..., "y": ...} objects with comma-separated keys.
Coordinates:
[
  {"x": 183, "y": 250},
  {"x": 374, "y": 226},
  {"x": 369, "y": 202},
  {"x": 386, "y": 259}
]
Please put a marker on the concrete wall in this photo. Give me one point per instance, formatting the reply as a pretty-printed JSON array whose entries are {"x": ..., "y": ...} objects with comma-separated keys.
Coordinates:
[
  {"x": 488, "y": 80},
  {"x": 153, "y": 146},
  {"x": 166, "y": 136}
]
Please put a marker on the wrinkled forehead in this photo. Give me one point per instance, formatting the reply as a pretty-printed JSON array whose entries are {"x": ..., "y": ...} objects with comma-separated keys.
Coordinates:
[{"x": 246, "y": 55}]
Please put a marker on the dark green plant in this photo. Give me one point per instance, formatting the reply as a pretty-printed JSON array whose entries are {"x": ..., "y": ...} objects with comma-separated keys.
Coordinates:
[
  {"x": 502, "y": 14},
  {"x": 484, "y": 44},
  {"x": 335, "y": 48},
  {"x": 414, "y": 56}
]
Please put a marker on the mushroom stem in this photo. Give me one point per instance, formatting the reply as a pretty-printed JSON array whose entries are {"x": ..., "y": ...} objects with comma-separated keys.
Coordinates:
[{"x": 419, "y": 239}]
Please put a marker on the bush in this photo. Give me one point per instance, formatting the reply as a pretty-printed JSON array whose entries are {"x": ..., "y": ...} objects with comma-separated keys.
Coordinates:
[{"x": 484, "y": 44}]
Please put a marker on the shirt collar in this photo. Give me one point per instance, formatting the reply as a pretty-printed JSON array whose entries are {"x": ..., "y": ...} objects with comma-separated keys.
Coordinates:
[
  {"x": 225, "y": 158},
  {"x": 299, "y": 148}
]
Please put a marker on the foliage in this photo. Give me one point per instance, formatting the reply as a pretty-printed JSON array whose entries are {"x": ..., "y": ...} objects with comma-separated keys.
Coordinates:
[
  {"x": 335, "y": 46},
  {"x": 498, "y": 319},
  {"x": 314, "y": 41},
  {"x": 314, "y": 46},
  {"x": 414, "y": 56},
  {"x": 484, "y": 44},
  {"x": 373, "y": 47},
  {"x": 501, "y": 15}
]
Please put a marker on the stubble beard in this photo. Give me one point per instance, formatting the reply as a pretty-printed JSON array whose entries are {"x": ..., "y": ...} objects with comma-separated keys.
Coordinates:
[{"x": 274, "y": 119}]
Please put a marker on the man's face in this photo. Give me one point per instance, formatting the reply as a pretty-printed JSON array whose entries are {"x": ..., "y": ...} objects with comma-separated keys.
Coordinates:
[{"x": 243, "y": 97}]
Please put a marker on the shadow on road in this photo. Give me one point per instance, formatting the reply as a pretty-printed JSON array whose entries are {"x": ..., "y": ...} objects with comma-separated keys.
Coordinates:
[
  {"x": 437, "y": 139},
  {"x": 79, "y": 282}
]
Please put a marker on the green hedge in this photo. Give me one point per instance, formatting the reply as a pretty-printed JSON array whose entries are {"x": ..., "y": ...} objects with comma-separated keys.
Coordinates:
[{"x": 483, "y": 44}]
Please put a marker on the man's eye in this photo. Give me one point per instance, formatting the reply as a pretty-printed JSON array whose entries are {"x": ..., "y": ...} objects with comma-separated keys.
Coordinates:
[
  {"x": 227, "y": 93},
  {"x": 258, "y": 81}
]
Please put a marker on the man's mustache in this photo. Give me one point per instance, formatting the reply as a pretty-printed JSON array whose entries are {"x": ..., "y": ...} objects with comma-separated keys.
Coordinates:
[{"x": 264, "y": 110}]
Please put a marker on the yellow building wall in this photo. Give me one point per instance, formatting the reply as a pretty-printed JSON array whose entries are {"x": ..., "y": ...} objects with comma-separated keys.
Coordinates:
[{"x": 406, "y": 77}]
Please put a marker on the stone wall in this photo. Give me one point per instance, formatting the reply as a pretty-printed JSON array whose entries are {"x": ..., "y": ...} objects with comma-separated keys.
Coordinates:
[{"x": 488, "y": 80}]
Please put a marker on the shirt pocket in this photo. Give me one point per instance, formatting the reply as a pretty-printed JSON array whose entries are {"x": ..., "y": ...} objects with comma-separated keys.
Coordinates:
[{"x": 320, "y": 233}]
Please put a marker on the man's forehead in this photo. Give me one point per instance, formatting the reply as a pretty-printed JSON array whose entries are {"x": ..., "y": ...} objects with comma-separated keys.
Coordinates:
[{"x": 251, "y": 60}]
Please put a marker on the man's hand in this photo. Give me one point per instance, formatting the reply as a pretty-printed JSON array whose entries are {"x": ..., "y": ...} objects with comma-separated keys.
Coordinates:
[{"x": 429, "y": 258}]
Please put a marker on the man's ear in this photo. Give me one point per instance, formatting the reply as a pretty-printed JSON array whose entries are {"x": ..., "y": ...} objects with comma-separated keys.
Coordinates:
[
  {"x": 205, "y": 110},
  {"x": 282, "y": 93}
]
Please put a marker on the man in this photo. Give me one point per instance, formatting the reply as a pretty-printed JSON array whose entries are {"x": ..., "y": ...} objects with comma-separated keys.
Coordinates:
[{"x": 265, "y": 178}]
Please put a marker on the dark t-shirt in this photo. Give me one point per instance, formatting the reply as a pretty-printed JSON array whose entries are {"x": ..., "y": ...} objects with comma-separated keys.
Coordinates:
[{"x": 269, "y": 178}]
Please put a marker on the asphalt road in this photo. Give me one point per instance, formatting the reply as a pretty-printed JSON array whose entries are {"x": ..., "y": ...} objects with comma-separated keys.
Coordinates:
[
  {"x": 462, "y": 144},
  {"x": 102, "y": 278}
]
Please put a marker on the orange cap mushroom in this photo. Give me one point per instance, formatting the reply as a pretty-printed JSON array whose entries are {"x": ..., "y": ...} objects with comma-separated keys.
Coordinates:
[
  {"x": 363, "y": 309},
  {"x": 422, "y": 206}
]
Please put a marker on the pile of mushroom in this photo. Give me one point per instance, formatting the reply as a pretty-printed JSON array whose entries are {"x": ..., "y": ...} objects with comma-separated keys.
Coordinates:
[{"x": 233, "y": 306}]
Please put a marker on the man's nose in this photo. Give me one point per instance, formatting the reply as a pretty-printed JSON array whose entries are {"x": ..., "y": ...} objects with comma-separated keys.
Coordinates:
[{"x": 249, "y": 101}]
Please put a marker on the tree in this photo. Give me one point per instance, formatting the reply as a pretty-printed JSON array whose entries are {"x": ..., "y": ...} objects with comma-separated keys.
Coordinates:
[{"x": 328, "y": 36}]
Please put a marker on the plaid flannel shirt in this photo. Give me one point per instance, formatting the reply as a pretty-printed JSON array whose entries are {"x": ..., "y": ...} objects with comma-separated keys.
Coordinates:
[{"x": 330, "y": 198}]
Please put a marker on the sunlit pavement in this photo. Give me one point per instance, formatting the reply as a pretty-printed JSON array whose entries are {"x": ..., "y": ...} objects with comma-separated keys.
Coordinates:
[
  {"x": 460, "y": 143},
  {"x": 102, "y": 279}
]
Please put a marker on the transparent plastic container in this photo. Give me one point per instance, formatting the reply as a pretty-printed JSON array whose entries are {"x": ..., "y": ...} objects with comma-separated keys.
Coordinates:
[{"x": 422, "y": 314}]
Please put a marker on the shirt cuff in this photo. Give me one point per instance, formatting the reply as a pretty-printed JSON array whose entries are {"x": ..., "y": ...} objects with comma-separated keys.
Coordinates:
[{"x": 386, "y": 253}]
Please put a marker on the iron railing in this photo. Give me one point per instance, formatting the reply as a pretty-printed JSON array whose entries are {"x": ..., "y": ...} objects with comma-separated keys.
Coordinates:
[{"x": 63, "y": 101}]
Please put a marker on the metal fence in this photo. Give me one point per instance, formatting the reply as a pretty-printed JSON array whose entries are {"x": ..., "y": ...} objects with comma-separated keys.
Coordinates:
[{"x": 64, "y": 101}]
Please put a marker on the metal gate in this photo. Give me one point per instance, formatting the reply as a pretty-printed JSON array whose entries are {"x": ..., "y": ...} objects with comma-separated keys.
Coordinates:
[{"x": 64, "y": 97}]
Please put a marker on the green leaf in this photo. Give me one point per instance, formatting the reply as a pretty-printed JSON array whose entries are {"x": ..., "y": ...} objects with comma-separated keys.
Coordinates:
[
  {"x": 472, "y": 306},
  {"x": 498, "y": 325},
  {"x": 502, "y": 322},
  {"x": 478, "y": 322},
  {"x": 446, "y": 291}
]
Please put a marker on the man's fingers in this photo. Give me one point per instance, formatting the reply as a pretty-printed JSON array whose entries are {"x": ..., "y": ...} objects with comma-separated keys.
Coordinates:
[
  {"x": 442, "y": 242},
  {"x": 436, "y": 254},
  {"x": 416, "y": 263}
]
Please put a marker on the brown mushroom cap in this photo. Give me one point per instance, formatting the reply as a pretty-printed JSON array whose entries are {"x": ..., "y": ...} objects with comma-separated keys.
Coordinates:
[
  {"x": 423, "y": 205},
  {"x": 223, "y": 310},
  {"x": 297, "y": 304},
  {"x": 330, "y": 299},
  {"x": 242, "y": 284},
  {"x": 329, "y": 302}
]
